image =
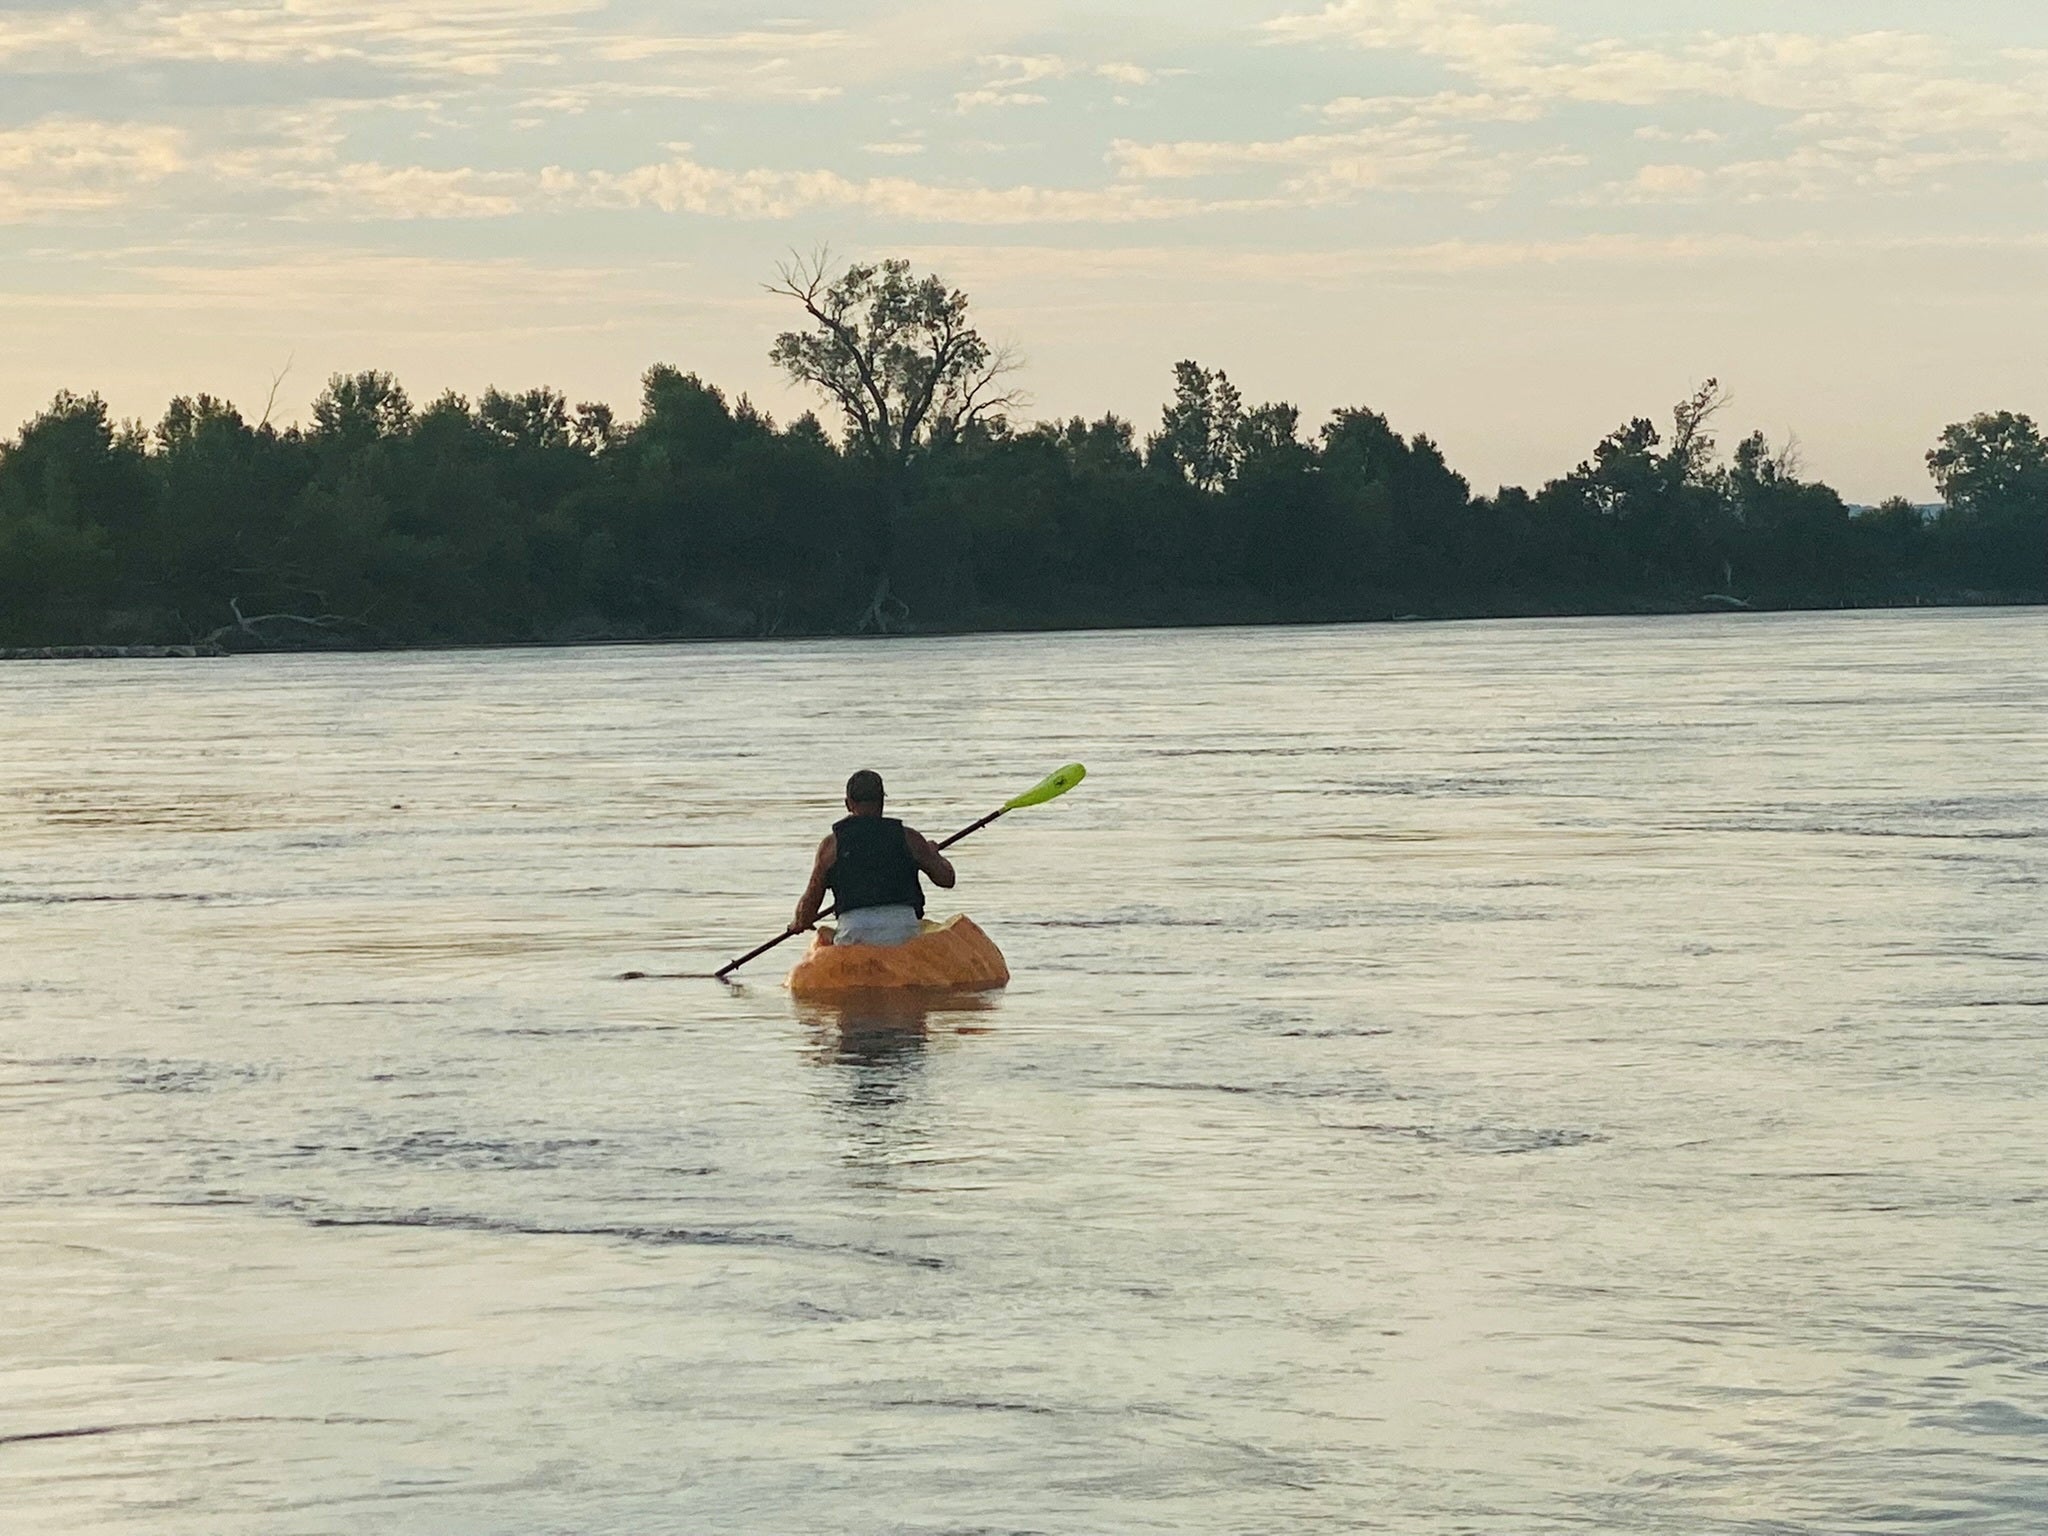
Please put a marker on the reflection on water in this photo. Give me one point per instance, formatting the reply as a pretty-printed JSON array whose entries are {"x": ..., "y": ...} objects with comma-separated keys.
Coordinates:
[
  {"x": 875, "y": 1048},
  {"x": 1522, "y": 1078},
  {"x": 881, "y": 1023}
]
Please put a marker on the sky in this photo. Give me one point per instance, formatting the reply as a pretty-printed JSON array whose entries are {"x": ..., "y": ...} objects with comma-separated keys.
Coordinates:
[{"x": 1512, "y": 224}]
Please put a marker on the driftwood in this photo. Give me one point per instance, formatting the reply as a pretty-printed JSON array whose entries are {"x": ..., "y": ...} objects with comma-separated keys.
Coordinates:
[
  {"x": 877, "y": 614},
  {"x": 246, "y": 624}
]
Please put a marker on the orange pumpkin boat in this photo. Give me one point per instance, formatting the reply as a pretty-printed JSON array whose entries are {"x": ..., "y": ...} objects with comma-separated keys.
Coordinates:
[{"x": 951, "y": 956}]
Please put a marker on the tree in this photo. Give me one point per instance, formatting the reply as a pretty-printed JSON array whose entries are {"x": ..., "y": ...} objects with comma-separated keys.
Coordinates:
[
  {"x": 907, "y": 368},
  {"x": 1797, "y": 532},
  {"x": 897, "y": 354},
  {"x": 534, "y": 418},
  {"x": 1891, "y": 538},
  {"x": 355, "y": 409},
  {"x": 1363, "y": 446},
  {"x": 1691, "y": 455},
  {"x": 510, "y": 516},
  {"x": 71, "y": 485},
  {"x": 212, "y": 507},
  {"x": 1282, "y": 510},
  {"x": 1992, "y": 472},
  {"x": 595, "y": 428},
  {"x": 1401, "y": 511},
  {"x": 1268, "y": 441},
  {"x": 1198, "y": 433},
  {"x": 684, "y": 418},
  {"x": 1107, "y": 446},
  {"x": 1660, "y": 509},
  {"x": 1991, "y": 466}
]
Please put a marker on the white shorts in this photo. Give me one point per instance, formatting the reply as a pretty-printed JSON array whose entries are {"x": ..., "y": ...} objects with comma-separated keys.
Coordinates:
[{"x": 877, "y": 925}]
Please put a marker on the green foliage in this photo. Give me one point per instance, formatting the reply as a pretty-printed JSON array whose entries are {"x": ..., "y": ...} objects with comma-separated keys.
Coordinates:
[
  {"x": 1991, "y": 465},
  {"x": 897, "y": 354},
  {"x": 517, "y": 517},
  {"x": 72, "y": 484},
  {"x": 360, "y": 409},
  {"x": 1198, "y": 439},
  {"x": 1992, "y": 472}
]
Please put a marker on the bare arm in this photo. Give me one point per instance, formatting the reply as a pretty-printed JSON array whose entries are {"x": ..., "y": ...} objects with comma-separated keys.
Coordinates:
[
  {"x": 814, "y": 893},
  {"x": 934, "y": 863}
]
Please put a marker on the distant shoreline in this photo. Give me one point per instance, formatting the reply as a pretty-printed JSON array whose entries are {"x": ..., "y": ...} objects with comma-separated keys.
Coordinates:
[
  {"x": 206, "y": 652},
  {"x": 517, "y": 520}
]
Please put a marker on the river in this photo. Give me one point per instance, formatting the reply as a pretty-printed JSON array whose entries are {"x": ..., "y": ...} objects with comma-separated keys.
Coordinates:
[{"x": 1552, "y": 1076}]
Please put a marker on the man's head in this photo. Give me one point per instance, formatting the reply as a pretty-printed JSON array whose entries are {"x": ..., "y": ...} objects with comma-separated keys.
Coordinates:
[{"x": 864, "y": 792}]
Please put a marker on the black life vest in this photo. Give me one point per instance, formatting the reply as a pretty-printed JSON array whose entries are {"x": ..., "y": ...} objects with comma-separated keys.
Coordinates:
[{"x": 874, "y": 868}]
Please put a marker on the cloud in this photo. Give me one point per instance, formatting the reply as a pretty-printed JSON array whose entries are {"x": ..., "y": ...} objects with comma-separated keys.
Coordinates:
[
  {"x": 299, "y": 168},
  {"x": 462, "y": 40},
  {"x": 971, "y": 101},
  {"x": 1652, "y": 133},
  {"x": 1444, "y": 106},
  {"x": 466, "y": 37},
  {"x": 770, "y": 83},
  {"x": 1670, "y": 180},
  {"x": 1910, "y": 100},
  {"x": 337, "y": 292},
  {"x": 1457, "y": 29},
  {"x": 1316, "y": 168},
  {"x": 1810, "y": 172},
  {"x": 69, "y": 165},
  {"x": 771, "y": 45},
  {"x": 1699, "y": 117},
  {"x": 367, "y": 190},
  {"x": 1259, "y": 271},
  {"x": 1013, "y": 75},
  {"x": 684, "y": 184},
  {"x": 1025, "y": 69}
]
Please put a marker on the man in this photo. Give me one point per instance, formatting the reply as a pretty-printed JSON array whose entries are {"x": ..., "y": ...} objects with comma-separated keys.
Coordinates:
[{"x": 870, "y": 863}]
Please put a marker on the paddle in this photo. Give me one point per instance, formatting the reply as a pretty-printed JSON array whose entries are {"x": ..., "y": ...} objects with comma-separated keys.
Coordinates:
[{"x": 1051, "y": 787}]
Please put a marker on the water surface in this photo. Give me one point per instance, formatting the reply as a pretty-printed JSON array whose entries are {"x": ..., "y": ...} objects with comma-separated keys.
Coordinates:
[{"x": 1512, "y": 1077}]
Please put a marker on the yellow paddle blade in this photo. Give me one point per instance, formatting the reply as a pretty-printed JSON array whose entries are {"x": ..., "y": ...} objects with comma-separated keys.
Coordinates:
[{"x": 1051, "y": 787}]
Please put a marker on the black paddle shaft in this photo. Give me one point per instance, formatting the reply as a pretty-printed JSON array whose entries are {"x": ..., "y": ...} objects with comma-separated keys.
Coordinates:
[
  {"x": 759, "y": 950},
  {"x": 966, "y": 832}
]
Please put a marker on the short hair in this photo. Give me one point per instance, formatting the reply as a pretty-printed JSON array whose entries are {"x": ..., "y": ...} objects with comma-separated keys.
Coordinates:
[{"x": 864, "y": 788}]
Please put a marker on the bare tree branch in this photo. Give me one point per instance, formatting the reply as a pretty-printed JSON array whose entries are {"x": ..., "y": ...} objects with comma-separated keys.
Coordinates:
[
  {"x": 247, "y": 623},
  {"x": 276, "y": 383}
]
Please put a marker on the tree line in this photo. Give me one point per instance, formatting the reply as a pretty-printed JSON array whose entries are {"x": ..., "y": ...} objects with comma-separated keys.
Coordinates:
[{"x": 518, "y": 517}]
